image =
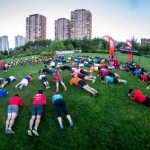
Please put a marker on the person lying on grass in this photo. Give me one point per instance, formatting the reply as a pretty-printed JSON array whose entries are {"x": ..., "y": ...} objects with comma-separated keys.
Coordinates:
[
  {"x": 3, "y": 92},
  {"x": 105, "y": 72},
  {"x": 7, "y": 80},
  {"x": 39, "y": 100},
  {"x": 144, "y": 77},
  {"x": 58, "y": 80},
  {"x": 108, "y": 79},
  {"x": 13, "y": 109},
  {"x": 59, "y": 104},
  {"x": 24, "y": 82},
  {"x": 44, "y": 79},
  {"x": 83, "y": 84},
  {"x": 138, "y": 96}
]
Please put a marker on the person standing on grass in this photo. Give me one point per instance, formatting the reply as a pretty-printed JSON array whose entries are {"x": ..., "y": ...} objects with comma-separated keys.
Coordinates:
[
  {"x": 138, "y": 96},
  {"x": 44, "y": 79},
  {"x": 13, "y": 109},
  {"x": 108, "y": 79},
  {"x": 83, "y": 84},
  {"x": 8, "y": 80},
  {"x": 59, "y": 104},
  {"x": 37, "y": 110},
  {"x": 24, "y": 82}
]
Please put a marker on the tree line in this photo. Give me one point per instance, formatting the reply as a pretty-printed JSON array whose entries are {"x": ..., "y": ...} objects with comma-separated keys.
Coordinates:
[{"x": 48, "y": 47}]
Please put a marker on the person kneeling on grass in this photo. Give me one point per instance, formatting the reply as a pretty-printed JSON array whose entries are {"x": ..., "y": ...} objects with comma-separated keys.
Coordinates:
[
  {"x": 59, "y": 104},
  {"x": 108, "y": 79},
  {"x": 83, "y": 84},
  {"x": 138, "y": 96},
  {"x": 13, "y": 108},
  {"x": 44, "y": 79},
  {"x": 37, "y": 110},
  {"x": 24, "y": 82}
]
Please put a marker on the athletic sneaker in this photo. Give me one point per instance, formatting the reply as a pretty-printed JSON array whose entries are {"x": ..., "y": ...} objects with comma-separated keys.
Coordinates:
[
  {"x": 6, "y": 131},
  {"x": 2, "y": 86},
  {"x": 71, "y": 124},
  {"x": 30, "y": 132},
  {"x": 61, "y": 127},
  {"x": 35, "y": 132},
  {"x": 94, "y": 95},
  {"x": 125, "y": 82},
  {"x": 10, "y": 131}
]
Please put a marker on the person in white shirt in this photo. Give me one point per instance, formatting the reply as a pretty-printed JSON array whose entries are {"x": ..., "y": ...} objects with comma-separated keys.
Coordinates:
[{"x": 8, "y": 80}]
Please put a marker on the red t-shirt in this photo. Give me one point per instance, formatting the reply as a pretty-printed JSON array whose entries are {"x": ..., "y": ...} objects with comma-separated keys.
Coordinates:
[
  {"x": 57, "y": 76},
  {"x": 15, "y": 100},
  {"x": 144, "y": 77},
  {"x": 39, "y": 99},
  {"x": 138, "y": 96}
]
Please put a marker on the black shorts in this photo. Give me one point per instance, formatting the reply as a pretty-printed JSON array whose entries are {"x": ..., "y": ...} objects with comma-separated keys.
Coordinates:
[
  {"x": 37, "y": 109},
  {"x": 111, "y": 74},
  {"x": 44, "y": 79},
  {"x": 147, "y": 101},
  {"x": 82, "y": 83},
  {"x": 8, "y": 80},
  {"x": 115, "y": 80},
  {"x": 82, "y": 76}
]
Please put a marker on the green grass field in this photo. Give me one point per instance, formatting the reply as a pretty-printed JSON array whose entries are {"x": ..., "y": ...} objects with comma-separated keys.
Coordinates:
[{"x": 109, "y": 121}]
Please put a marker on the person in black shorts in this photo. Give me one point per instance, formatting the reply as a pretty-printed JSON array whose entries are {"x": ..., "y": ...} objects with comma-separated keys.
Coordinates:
[{"x": 59, "y": 104}]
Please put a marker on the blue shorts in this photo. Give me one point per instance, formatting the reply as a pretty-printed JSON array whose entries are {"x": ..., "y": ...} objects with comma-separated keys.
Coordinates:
[
  {"x": 13, "y": 109},
  {"x": 37, "y": 109}
]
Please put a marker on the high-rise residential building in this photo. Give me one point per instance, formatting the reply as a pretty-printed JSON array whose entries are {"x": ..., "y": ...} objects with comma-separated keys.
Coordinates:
[
  {"x": 62, "y": 29},
  {"x": 81, "y": 24},
  {"x": 35, "y": 27},
  {"x": 19, "y": 41},
  {"x": 145, "y": 41},
  {"x": 4, "y": 44}
]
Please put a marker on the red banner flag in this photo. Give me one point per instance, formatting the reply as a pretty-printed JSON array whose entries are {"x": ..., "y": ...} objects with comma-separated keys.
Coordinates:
[
  {"x": 130, "y": 56},
  {"x": 129, "y": 43},
  {"x": 111, "y": 47}
]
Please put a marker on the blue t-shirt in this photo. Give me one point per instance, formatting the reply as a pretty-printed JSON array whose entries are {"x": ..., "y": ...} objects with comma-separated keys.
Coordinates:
[
  {"x": 109, "y": 79},
  {"x": 56, "y": 97},
  {"x": 3, "y": 92},
  {"x": 137, "y": 72},
  {"x": 28, "y": 78}
]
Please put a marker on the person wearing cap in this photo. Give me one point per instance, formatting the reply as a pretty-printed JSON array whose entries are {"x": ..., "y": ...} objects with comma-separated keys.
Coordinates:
[
  {"x": 138, "y": 96},
  {"x": 13, "y": 109},
  {"x": 59, "y": 104},
  {"x": 39, "y": 100}
]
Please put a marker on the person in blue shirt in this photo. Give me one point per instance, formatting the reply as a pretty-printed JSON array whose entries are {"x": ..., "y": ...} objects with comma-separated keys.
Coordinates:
[
  {"x": 59, "y": 104},
  {"x": 108, "y": 79},
  {"x": 3, "y": 92}
]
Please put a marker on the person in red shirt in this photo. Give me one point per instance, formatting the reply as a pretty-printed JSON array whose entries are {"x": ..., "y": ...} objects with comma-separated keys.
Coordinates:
[
  {"x": 13, "y": 109},
  {"x": 37, "y": 110},
  {"x": 58, "y": 79},
  {"x": 138, "y": 96},
  {"x": 144, "y": 77}
]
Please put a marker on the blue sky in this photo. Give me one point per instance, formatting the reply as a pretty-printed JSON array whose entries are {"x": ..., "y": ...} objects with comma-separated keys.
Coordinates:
[{"x": 120, "y": 19}]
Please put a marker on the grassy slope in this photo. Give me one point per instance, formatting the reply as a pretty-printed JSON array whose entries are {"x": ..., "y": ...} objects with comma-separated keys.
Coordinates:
[{"x": 110, "y": 121}]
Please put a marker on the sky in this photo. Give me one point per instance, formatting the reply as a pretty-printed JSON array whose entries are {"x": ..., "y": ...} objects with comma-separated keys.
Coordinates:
[{"x": 120, "y": 19}]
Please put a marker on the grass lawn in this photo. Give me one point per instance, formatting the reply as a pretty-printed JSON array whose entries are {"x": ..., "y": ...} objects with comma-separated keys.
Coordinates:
[{"x": 109, "y": 121}]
